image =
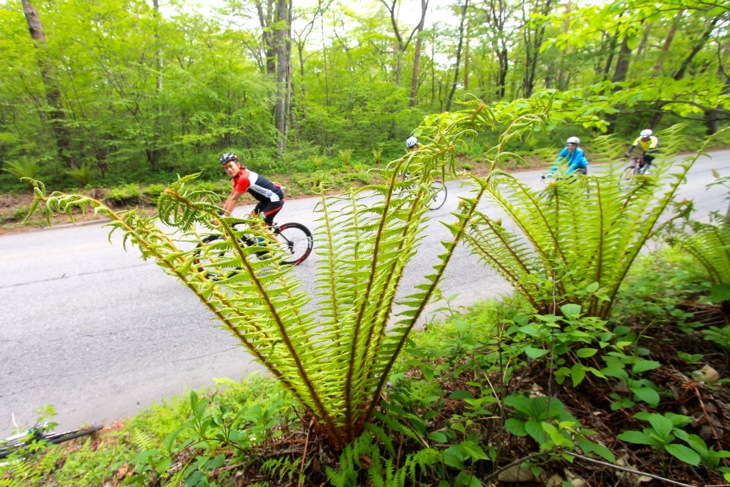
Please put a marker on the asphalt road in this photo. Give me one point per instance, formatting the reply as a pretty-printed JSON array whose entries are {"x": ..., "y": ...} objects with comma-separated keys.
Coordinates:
[{"x": 100, "y": 334}]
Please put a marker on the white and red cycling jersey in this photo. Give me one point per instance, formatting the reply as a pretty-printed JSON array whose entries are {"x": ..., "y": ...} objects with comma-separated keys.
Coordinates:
[{"x": 257, "y": 186}]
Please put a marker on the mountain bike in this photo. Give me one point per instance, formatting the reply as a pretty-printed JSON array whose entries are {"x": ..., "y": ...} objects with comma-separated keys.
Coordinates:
[
  {"x": 438, "y": 193},
  {"x": 636, "y": 167},
  {"x": 39, "y": 433},
  {"x": 216, "y": 258}
]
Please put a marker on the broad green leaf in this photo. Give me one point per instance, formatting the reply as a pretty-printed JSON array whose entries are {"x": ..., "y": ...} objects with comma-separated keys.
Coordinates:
[
  {"x": 535, "y": 353},
  {"x": 684, "y": 454},
  {"x": 646, "y": 394},
  {"x": 586, "y": 352},
  {"x": 637, "y": 437},
  {"x": 578, "y": 373},
  {"x": 662, "y": 426},
  {"x": 644, "y": 365},
  {"x": 515, "y": 426},
  {"x": 474, "y": 451}
]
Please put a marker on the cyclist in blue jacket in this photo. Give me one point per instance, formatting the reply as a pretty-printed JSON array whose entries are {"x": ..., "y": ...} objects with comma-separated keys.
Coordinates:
[{"x": 573, "y": 156}]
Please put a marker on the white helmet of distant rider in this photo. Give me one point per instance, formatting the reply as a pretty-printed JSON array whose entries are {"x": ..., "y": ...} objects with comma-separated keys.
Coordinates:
[
  {"x": 573, "y": 140},
  {"x": 411, "y": 142},
  {"x": 646, "y": 133}
]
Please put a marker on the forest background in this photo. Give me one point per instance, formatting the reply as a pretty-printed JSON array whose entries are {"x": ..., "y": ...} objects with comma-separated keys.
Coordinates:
[{"x": 122, "y": 93}]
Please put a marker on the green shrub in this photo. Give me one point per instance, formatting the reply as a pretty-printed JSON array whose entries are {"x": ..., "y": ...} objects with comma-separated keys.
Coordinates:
[
  {"x": 25, "y": 168},
  {"x": 129, "y": 194},
  {"x": 83, "y": 174}
]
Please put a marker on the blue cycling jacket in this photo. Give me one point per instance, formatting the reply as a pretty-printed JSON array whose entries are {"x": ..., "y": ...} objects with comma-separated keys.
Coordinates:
[{"x": 576, "y": 160}]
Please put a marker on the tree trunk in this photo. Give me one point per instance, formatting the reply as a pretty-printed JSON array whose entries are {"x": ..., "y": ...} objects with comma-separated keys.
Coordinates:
[
  {"x": 497, "y": 15},
  {"x": 503, "y": 58},
  {"x": 612, "y": 42},
  {"x": 417, "y": 55},
  {"x": 327, "y": 101},
  {"x": 668, "y": 41},
  {"x": 712, "y": 117},
  {"x": 266, "y": 15},
  {"x": 155, "y": 153},
  {"x": 450, "y": 98},
  {"x": 622, "y": 64},
  {"x": 402, "y": 45},
  {"x": 466, "y": 59},
  {"x": 57, "y": 117},
  {"x": 283, "y": 71},
  {"x": 533, "y": 37}
]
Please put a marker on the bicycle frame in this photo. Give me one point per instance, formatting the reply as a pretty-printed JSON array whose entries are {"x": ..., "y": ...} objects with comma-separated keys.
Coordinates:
[{"x": 16, "y": 442}]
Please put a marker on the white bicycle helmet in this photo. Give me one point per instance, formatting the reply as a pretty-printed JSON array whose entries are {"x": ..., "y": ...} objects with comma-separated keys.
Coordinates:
[
  {"x": 573, "y": 140},
  {"x": 228, "y": 157},
  {"x": 410, "y": 142},
  {"x": 646, "y": 133}
]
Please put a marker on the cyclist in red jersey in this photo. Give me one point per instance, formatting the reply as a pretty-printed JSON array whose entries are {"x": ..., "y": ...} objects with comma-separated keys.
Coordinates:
[{"x": 269, "y": 195}]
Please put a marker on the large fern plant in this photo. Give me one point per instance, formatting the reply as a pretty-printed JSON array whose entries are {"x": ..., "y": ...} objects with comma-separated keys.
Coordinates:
[
  {"x": 574, "y": 240},
  {"x": 332, "y": 347},
  {"x": 708, "y": 242}
]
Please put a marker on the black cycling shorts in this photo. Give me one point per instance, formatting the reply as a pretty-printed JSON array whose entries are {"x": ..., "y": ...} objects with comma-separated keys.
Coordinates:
[{"x": 268, "y": 210}]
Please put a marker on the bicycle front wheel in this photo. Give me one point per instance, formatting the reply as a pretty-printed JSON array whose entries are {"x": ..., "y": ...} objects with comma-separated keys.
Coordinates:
[
  {"x": 57, "y": 438},
  {"x": 216, "y": 263},
  {"x": 438, "y": 195},
  {"x": 296, "y": 242},
  {"x": 627, "y": 176}
]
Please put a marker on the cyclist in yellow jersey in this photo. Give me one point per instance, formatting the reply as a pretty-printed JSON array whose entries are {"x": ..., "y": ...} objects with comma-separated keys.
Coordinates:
[{"x": 649, "y": 144}]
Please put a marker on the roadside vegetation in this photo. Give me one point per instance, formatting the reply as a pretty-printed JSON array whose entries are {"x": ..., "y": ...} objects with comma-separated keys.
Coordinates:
[
  {"x": 498, "y": 395},
  {"x": 603, "y": 368}
]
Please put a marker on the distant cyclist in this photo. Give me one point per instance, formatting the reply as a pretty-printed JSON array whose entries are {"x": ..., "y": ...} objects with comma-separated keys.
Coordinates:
[
  {"x": 649, "y": 144},
  {"x": 411, "y": 143},
  {"x": 573, "y": 156},
  {"x": 269, "y": 195}
]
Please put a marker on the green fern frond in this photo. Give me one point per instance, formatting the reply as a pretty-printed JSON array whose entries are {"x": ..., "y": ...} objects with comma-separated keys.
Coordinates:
[
  {"x": 142, "y": 440},
  {"x": 280, "y": 468},
  {"x": 576, "y": 232},
  {"x": 709, "y": 244}
]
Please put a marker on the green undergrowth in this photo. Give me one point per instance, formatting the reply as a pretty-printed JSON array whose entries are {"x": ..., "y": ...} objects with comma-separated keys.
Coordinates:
[
  {"x": 310, "y": 181},
  {"x": 489, "y": 396}
]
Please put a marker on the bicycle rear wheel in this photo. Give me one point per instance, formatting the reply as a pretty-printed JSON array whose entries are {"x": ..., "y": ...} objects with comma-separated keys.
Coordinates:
[
  {"x": 296, "y": 242},
  {"x": 438, "y": 195}
]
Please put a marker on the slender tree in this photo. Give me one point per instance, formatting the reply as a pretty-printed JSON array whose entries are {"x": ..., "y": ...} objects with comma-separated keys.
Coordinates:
[
  {"x": 56, "y": 115},
  {"x": 533, "y": 31},
  {"x": 265, "y": 12},
  {"x": 457, "y": 62},
  {"x": 283, "y": 71},
  {"x": 401, "y": 43},
  {"x": 417, "y": 54},
  {"x": 495, "y": 15}
]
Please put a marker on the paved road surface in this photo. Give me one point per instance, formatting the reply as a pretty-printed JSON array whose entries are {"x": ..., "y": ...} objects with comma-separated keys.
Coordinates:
[{"x": 101, "y": 334}]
